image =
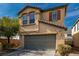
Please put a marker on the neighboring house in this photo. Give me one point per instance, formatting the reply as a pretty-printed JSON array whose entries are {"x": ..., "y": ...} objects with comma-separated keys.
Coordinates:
[
  {"x": 68, "y": 35},
  {"x": 75, "y": 34},
  {"x": 42, "y": 29},
  {"x": 17, "y": 37}
]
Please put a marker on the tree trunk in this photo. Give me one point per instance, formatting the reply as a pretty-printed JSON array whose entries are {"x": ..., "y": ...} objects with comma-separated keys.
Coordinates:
[{"x": 8, "y": 42}]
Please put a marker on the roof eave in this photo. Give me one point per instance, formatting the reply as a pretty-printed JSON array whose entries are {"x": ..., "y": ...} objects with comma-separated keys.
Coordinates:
[
  {"x": 75, "y": 23},
  {"x": 63, "y": 27},
  {"x": 28, "y": 7},
  {"x": 41, "y": 9},
  {"x": 57, "y": 7}
]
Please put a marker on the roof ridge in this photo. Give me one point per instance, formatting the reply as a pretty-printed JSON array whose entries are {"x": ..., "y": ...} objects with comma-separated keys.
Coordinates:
[{"x": 30, "y": 6}]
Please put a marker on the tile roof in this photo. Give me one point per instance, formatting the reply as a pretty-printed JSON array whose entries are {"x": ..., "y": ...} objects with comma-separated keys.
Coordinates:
[
  {"x": 46, "y": 22},
  {"x": 44, "y": 7}
]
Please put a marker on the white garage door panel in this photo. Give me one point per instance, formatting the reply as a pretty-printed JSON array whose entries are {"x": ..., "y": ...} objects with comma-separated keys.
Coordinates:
[{"x": 40, "y": 42}]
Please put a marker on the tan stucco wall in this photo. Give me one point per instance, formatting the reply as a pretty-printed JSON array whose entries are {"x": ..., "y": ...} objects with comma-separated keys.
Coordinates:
[
  {"x": 38, "y": 17},
  {"x": 59, "y": 22},
  {"x": 28, "y": 28},
  {"x": 75, "y": 26},
  {"x": 45, "y": 28},
  {"x": 49, "y": 29},
  {"x": 75, "y": 35},
  {"x": 41, "y": 28},
  {"x": 46, "y": 15},
  {"x": 76, "y": 40}
]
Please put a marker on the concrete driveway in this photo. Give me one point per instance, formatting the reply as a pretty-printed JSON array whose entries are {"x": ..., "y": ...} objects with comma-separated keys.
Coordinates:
[
  {"x": 32, "y": 53},
  {"x": 39, "y": 53},
  {"x": 74, "y": 53}
]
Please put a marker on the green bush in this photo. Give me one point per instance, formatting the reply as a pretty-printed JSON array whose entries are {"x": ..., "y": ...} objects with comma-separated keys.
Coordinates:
[
  {"x": 5, "y": 46},
  {"x": 64, "y": 50},
  {"x": 69, "y": 42},
  {"x": 8, "y": 46}
]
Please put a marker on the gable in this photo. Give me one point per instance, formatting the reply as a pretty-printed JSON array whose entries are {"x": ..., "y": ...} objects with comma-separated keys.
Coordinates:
[
  {"x": 28, "y": 10},
  {"x": 54, "y": 6}
]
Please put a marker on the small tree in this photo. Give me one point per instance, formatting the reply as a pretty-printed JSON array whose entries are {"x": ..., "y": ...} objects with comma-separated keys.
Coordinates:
[{"x": 8, "y": 27}]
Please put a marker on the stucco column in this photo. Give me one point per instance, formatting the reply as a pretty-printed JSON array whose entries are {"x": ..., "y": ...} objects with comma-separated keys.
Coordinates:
[
  {"x": 28, "y": 19},
  {"x": 20, "y": 20},
  {"x": 22, "y": 41},
  {"x": 60, "y": 39},
  {"x": 37, "y": 18}
]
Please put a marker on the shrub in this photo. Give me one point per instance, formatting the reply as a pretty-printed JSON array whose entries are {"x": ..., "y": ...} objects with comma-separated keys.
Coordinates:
[
  {"x": 6, "y": 46},
  {"x": 69, "y": 42},
  {"x": 14, "y": 45},
  {"x": 64, "y": 50},
  {"x": 1, "y": 46}
]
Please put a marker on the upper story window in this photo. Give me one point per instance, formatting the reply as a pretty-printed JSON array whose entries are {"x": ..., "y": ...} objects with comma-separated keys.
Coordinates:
[
  {"x": 24, "y": 19},
  {"x": 55, "y": 15},
  {"x": 77, "y": 26},
  {"x": 28, "y": 20},
  {"x": 32, "y": 17}
]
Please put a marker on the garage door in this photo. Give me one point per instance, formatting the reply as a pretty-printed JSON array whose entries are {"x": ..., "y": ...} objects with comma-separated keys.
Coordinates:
[{"x": 40, "y": 42}]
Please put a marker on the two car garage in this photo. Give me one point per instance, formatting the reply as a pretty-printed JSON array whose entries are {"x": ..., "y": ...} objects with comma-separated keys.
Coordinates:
[{"x": 40, "y": 41}]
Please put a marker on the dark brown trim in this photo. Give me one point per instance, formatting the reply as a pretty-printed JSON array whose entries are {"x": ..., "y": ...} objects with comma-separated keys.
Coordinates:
[{"x": 53, "y": 24}]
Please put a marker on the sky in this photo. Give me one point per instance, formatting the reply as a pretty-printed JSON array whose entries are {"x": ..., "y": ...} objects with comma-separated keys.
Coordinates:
[{"x": 12, "y": 9}]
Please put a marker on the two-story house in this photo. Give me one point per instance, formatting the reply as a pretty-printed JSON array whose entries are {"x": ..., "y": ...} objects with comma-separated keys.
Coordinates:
[
  {"x": 75, "y": 34},
  {"x": 42, "y": 29}
]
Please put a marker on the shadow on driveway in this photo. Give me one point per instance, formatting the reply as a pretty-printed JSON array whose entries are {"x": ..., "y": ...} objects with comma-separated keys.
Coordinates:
[{"x": 25, "y": 52}]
